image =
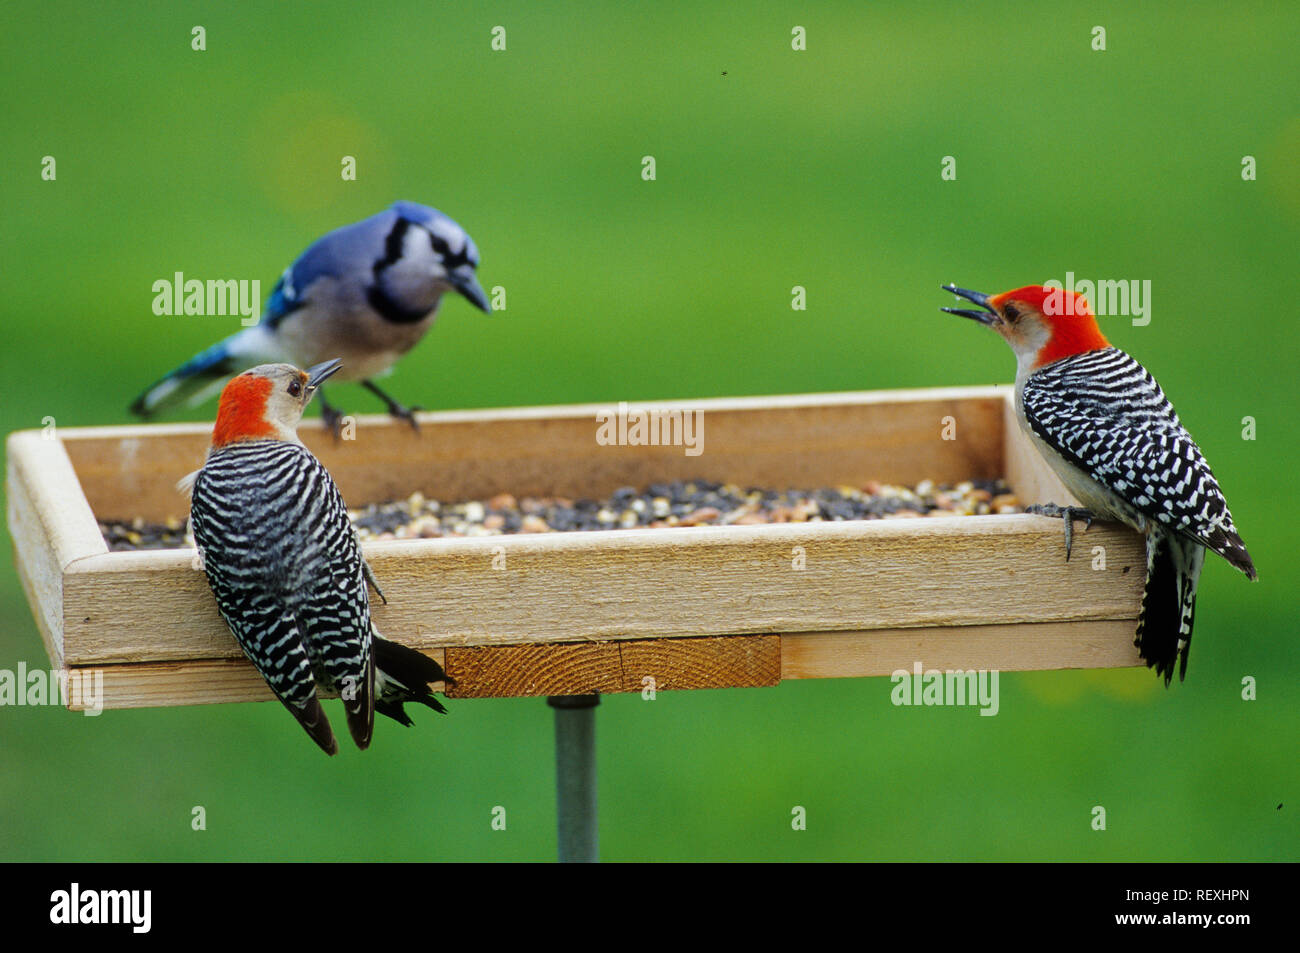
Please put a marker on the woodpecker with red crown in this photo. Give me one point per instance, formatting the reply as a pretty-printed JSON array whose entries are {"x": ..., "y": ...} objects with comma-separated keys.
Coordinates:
[
  {"x": 285, "y": 566},
  {"x": 1104, "y": 425}
]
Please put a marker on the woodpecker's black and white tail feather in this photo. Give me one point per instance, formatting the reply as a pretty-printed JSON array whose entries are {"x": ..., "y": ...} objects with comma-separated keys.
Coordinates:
[
  {"x": 359, "y": 705},
  {"x": 1225, "y": 541},
  {"x": 1164, "y": 632},
  {"x": 311, "y": 716}
]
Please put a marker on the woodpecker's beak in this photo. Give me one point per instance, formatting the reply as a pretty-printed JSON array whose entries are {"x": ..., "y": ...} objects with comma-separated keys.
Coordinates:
[
  {"x": 464, "y": 281},
  {"x": 316, "y": 375},
  {"x": 987, "y": 316}
]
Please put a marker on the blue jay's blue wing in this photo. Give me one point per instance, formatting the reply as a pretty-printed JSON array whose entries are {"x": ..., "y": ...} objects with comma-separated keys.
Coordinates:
[
  {"x": 283, "y": 300},
  {"x": 347, "y": 254}
]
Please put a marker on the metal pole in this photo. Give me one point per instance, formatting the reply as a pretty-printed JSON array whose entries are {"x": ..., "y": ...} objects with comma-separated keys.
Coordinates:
[{"x": 575, "y": 777}]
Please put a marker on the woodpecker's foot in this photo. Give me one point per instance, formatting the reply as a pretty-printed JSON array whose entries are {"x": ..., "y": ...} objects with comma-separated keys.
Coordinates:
[
  {"x": 397, "y": 410},
  {"x": 1069, "y": 514},
  {"x": 332, "y": 416},
  {"x": 370, "y": 578}
]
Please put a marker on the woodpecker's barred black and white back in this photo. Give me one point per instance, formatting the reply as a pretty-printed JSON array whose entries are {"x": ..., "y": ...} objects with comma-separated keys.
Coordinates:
[
  {"x": 1104, "y": 413},
  {"x": 284, "y": 564}
]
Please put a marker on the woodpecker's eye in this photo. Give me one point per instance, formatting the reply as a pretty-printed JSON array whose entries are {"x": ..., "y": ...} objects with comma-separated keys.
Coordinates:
[
  {"x": 295, "y": 388},
  {"x": 1010, "y": 313}
]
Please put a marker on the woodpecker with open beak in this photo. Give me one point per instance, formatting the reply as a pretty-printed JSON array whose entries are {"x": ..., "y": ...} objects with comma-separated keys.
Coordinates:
[{"x": 1103, "y": 424}]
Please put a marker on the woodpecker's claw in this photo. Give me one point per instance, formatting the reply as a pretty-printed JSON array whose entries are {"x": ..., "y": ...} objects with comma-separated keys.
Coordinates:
[
  {"x": 1069, "y": 514},
  {"x": 370, "y": 578}
]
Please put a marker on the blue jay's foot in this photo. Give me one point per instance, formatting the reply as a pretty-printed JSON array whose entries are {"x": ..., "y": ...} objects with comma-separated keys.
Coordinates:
[
  {"x": 394, "y": 408},
  {"x": 1069, "y": 514},
  {"x": 331, "y": 415}
]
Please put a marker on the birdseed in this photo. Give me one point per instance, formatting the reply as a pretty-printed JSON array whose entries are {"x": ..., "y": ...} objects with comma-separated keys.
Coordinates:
[{"x": 679, "y": 503}]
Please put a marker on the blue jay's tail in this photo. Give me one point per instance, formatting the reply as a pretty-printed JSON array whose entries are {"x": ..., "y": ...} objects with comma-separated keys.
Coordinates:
[{"x": 200, "y": 376}]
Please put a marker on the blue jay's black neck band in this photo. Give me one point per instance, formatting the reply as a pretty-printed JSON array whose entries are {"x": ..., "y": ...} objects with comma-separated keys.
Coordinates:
[{"x": 390, "y": 309}]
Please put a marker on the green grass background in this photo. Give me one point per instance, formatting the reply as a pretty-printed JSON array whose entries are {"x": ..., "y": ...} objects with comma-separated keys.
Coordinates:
[{"x": 775, "y": 168}]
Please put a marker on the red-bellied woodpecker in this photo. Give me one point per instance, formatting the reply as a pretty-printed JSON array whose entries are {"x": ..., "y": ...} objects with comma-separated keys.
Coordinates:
[
  {"x": 1104, "y": 425},
  {"x": 284, "y": 564}
]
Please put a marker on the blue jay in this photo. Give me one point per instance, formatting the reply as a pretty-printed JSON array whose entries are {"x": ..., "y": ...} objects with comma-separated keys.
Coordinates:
[{"x": 366, "y": 293}]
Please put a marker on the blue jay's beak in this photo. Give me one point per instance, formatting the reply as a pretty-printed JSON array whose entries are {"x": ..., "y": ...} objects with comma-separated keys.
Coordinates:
[
  {"x": 316, "y": 375},
  {"x": 463, "y": 280}
]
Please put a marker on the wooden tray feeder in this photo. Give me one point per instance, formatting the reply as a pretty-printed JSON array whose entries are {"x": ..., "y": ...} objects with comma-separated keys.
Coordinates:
[{"x": 596, "y": 612}]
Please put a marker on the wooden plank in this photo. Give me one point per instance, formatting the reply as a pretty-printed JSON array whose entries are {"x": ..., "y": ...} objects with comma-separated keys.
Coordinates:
[
  {"x": 36, "y": 562},
  {"x": 559, "y": 669},
  {"x": 195, "y": 682},
  {"x": 802, "y": 441},
  {"x": 1049, "y": 645},
  {"x": 649, "y": 583},
  {"x": 585, "y": 667},
  {"x": 734, "y": 661},
  {"x": 51, "y": 525}
]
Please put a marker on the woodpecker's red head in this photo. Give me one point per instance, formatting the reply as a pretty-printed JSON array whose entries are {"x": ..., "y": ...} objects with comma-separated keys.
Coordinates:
[
  {"x": 267, "y": 402},
  {"x": 1042, "y": 325}
]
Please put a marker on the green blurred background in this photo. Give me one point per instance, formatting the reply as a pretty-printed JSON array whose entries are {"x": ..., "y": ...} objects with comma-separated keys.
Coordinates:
[{"x": 775, "y": 168}]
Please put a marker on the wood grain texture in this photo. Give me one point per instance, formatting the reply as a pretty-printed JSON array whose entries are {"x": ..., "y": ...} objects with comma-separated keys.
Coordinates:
[
  {"x": 606, "y": 667},
  {"x": 724, "y": 662}
]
